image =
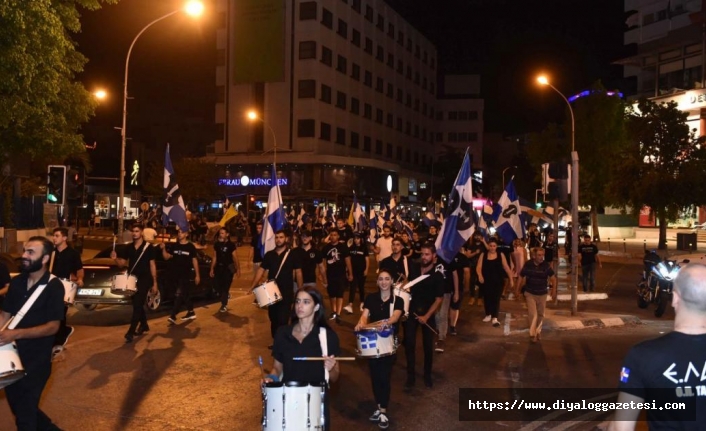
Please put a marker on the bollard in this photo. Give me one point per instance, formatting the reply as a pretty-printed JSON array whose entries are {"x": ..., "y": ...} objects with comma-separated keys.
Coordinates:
[
  {"x": 625, "y": 246},
  {"x": 644, "y": 245},
  {"x": 608, "y": 244}
]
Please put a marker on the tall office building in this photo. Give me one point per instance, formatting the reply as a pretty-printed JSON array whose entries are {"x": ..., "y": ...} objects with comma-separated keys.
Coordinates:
[{"x": 347, "y": 89}]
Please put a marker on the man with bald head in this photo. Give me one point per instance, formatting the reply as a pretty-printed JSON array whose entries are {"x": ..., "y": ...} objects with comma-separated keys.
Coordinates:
[{"x": 671, "y": 368}]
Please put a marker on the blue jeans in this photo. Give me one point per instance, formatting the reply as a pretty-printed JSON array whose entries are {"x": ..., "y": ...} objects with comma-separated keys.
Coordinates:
[{"x": 588, "y": 277}]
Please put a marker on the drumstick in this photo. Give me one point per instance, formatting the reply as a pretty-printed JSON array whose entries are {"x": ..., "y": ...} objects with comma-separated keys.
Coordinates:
[
  {"x": 7, "y": 323},
  {"x": 51, "y": 262},
  {"x": 430, "y": 328},
  {"x": 114, "y": 239},
  {"x": 317, "y": 358},
  {"x": 259, "y": 360}
]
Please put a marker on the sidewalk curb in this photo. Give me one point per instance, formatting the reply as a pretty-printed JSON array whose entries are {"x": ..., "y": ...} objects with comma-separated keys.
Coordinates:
[{"x": 571, "y": 324}]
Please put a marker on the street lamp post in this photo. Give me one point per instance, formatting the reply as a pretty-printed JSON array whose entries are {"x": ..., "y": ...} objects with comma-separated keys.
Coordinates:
[
  {"x": 252, "y": 116},
  {"x": 193, "y": 8},
  {"x": 504, "y": 170},
  {"x": 574, "y": 201}
]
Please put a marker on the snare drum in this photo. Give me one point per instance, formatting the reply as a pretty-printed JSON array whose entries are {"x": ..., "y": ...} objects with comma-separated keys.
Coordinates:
[
  {"x": 70, "y": 289},
  {"x": 267, "y": 294},
  {"x": 11, "y": 369},
  {"x": 405, "y": 295},
  {"x": 292, "y": 406},
  {"x": 373, "y": 343},
  {"x": 123, "y": 284}
]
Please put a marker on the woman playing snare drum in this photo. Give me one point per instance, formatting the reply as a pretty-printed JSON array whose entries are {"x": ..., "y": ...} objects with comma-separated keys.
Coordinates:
[
  {"x": 301, "y": 339},
  {"x": 384, "y": 310}
]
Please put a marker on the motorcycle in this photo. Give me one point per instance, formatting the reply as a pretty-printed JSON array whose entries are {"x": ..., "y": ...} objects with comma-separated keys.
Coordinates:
[{"x": 657, "y": 282}]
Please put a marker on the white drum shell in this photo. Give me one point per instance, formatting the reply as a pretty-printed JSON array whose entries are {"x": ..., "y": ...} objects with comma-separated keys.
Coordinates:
[
  {"x": 370, "y": 344},
  {"x": 406, "y": 297},
  {"x": 70, "y": 289},
  {"x": 267, "y": 294},
  {"x": 123, "y": 284},
  {"x": 293, "y": 407},
  {"x": 11, "y": 369}
]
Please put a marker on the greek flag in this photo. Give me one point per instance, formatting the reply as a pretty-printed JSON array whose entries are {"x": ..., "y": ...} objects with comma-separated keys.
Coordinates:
[
  {"x": 173, "y": 207},
  {"x": 275, "y": 217},
  {"x": 506, "y": 214},
  {"x": 460, "y": 219}
]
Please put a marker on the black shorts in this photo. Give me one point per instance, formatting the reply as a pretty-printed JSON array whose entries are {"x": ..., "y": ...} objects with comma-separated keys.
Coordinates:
[{"x": 336, "y": 287}]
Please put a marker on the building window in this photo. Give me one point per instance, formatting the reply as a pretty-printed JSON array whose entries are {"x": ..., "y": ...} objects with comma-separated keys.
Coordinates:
[
  {"x": 367, "y": 143},
  {"x": 431, "y": 88},
  {"x": 472, "y": 115},
  {"x": 340, "y": 136},
  {"x": 431, "y": 112},
  {"x": 400, "y": 67},
  {"x": 424, "y": 159},
  {"x": 463, "y": 115},
  {"x": 416, "y": 158},
  {"x": 307, "y": 49},
  {"x": 307, "y": 10},
  {"x": 408, "y": 103},
  {"x": 355, "y": 106},
  {"x": 390, "y": 60},
  {"x": 408, "y": 128},
  {"x": 356, "y": 5},
  {"x": 378, "y": 147},
  {"x": 425, "y": 57},
  {"x": 399, "y": 153},
  {"x": 453, "y": 137},
  {"x": 327, "y": 18},
  {"x": 381, "y": 23},
  {"x": 424, "y": 83},
  {"x": 417, "y": 51},
  {"x": 399, "y": 124},
  {"x": 369, "y": 14},
  {"x": 390, "y": 120},
  {"x": 400, "y": 38},
  {"x": 342, "y": 64},
  {"x": 391, "y": 30},
  {"x": 355, "y": 39},
  {"x": 368, "y": 45},
  {"x": 378, "y": 116},
  {"x": 439, "y": 137},
  {"x": 380, "y": 54},
  {"x": 326, "y": 56},
  {"x": 388, "y": 149},
  {"x": 409, "y": 73},
  {"x": 453, "y": 115},
  {"x": 390, "y": 90},
  {"x": 307, "y": 88},
  {"x": 432, "y": 63},
  {"x": 368, "y": 111},
  {"x": 463, "y": 137},
  {"x": 355, "y": 139},
  {"x": 355, "y": 72},
  {"x": 306, "y": 128},
  {"x": 325, "y": 93},
  {"x": 341, "y": 100},
  {"x": 416, "y": 78},
  {"x": 416, "y": 105},
  {"x": 379, "y": 85},
  {"x": 424, "y": 108},
  {"x": 325, "y": 132},
  {"x": 342, "y": 29},
  {"x": 439, "y": 115},
  {"x": 400, "y": 95},
  {"x": 368, "y": 80},
  {"x": 472, "y": 137},
  {"x": 416, "y": 131}
]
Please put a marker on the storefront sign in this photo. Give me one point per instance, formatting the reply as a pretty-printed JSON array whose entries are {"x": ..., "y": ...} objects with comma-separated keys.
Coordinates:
[{"x": 245, "y": 181}]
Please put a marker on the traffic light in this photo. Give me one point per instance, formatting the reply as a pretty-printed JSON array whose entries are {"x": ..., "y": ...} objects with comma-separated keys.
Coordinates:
[
  {"x": 56, "y": 184},
  {"x": 556, "y": 180},
  {"x": 75, "y": 185}
]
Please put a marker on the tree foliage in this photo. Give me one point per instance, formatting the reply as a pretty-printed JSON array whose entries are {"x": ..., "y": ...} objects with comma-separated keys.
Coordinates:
[
  {"x": 663, "y": 165},
  {"x": 41, "y": 104}
]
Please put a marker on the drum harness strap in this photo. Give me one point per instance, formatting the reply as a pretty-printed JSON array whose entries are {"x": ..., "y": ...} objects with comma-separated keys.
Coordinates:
[
  {"x": 15, "y": 320},
  {"x": 282, "y": 264},
  {"x": 324, "y": 349},
  {"x": 406, "y": 268},
  {"x": 144, "y": 247}
]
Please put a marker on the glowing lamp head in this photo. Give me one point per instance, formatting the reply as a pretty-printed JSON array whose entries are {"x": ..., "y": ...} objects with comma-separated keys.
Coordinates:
[
  {"x": 543, "y": 80},
  {"x": 100, "y": 94},
  {"x": 252, "y": 115},
  {"x": 194, "y": 8}
]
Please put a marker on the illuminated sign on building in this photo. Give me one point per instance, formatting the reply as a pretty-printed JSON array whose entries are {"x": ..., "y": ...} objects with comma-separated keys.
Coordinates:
[{"x": 247, "y": 181}]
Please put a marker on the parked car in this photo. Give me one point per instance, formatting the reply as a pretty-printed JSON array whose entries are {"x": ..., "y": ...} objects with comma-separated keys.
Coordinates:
[{"x": 99, "y": 270}]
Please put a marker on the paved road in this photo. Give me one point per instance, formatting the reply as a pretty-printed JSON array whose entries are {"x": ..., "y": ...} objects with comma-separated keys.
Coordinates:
[{"x": 203, "y": 375}]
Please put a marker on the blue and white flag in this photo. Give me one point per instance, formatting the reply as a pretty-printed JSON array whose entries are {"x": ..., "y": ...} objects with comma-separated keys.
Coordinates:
[
  {"x": 275, "y": 218},
  {"x": 506, "y": 214},
  {"x": 430, "y": 220},
  {"x": 173, "y": 207},
  {"x": 460, "y": 219}
]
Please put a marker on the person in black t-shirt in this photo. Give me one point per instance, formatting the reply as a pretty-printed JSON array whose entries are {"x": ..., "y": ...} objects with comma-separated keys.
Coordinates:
[
  {"x": 138, "y": 257},
  {"x": 535, "y": 278},
  {"x": 416, "y": 247},
  {"x": 406, "y": 244},
  {"x": 381, "y": 310},
  {"x": 67, "y": 265},
  {"x": 359, "y": 264},
  {"x": 301, "y": 339},
  {"x": 280, "y": 265},
  {"x": 588, "y": 257},
  {"x": 345, "y": 232},
  {"x": 433, "y": 234},
  {"x": 426, "y": 299},
  {"x": 669, "y": 369},
  {"x": 451, "y": 289},
  {"x": 475, "y": 248},
  {"x": 338, "y": 269},
  {"x": 224, "y": 266},
  {"x": 399, "y": 266},
  {"x": 312, "y": 261},
  {"x": 34, "y": 333},
  {"x": 551, "y": 250},
  {"x": 256, "y": 243},
  {"x": 183, "y": 257},
  {"x": 4, "y": 282},
  {"x": 463, "y": 272}
]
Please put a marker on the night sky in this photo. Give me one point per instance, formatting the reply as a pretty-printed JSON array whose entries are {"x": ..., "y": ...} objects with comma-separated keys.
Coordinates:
[{"x": 507, "y": 42}]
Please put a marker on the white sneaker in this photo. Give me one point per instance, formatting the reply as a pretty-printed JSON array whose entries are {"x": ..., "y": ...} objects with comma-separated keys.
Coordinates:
[
  {"x": 510, "y": 297},
  {"x": 487, "y": 318},
  {"x": 349, "y": 308},
  {"x": 495, "y": 322}
]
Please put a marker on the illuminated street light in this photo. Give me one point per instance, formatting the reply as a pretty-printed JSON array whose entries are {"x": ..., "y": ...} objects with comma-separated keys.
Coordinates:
[
  {"x": 543, "y": 80},
  {"x": 100, "y": 94},
  {"x": 253, "y": 116},
  {"x": 191, "y": 8}
]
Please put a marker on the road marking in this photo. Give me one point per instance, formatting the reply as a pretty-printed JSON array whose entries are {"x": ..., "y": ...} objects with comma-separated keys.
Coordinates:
[
  {"x": 557, "y": 413},
  {"x": 506, "y": 329}
]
